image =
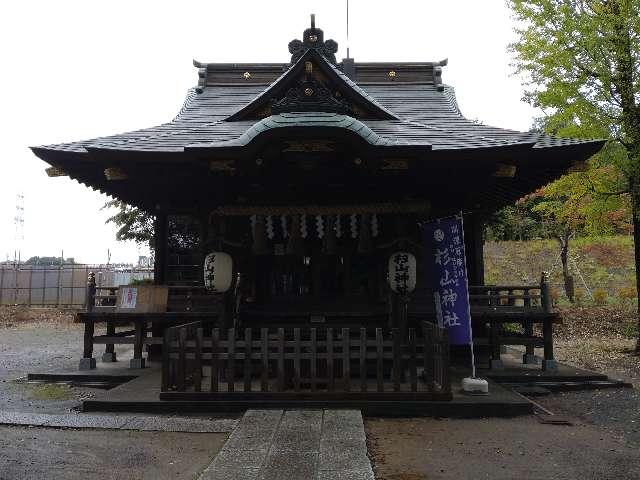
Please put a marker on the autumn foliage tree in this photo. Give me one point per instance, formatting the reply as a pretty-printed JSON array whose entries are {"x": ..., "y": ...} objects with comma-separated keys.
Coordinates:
[{"x": 581, "y": 63}]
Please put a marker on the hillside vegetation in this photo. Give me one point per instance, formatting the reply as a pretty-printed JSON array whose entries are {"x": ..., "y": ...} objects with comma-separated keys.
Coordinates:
[{"x": 603, "y": 268}]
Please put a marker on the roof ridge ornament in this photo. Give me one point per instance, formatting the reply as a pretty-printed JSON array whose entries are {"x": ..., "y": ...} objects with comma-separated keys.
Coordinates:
[{"x": 313, "y": 39}]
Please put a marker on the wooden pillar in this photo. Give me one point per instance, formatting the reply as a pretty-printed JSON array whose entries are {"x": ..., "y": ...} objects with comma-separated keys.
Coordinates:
[
  {"x": 140, "y": 334},
  {"x": 160, "y": 247},
  {"x": 474, "y": 247},
  {"x": 109, "y": 354},
  {"x": 549, "y": 362},
  {"x": 87, "y": 362}
]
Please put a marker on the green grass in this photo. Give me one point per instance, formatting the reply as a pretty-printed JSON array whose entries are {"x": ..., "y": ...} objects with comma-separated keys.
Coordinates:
[{"x": 50, "y": 391}]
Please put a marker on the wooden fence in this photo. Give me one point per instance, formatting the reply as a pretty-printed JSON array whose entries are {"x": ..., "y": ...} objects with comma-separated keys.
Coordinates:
[{"x": 307, "y": 363}]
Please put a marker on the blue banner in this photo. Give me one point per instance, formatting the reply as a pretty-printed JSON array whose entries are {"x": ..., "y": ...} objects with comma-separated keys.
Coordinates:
[{"x": 447, "y": 267}]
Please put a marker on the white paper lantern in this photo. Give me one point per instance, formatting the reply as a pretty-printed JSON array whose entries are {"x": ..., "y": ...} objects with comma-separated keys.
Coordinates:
[
  {"x": 402, "y": 272},
  {"x": 218, "y": 271}
]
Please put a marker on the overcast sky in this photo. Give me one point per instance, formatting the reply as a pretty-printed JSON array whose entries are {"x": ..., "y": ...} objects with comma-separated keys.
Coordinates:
[{"x": 73, "y": 70}]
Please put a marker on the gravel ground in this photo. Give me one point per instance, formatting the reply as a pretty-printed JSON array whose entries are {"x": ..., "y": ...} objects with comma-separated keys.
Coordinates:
[
  {"x": 45, "y": 453},
  {"x": 615, "y": 411},
  {"x": 497, "y": 449},
  {"x": 603, "y": 443},
  {"x": 38, "y": 340}
]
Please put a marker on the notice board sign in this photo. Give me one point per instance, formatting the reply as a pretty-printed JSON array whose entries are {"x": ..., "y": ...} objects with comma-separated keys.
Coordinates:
[
  {"x": 142, "y": 299},
  {"x": 128, "y": 298}
]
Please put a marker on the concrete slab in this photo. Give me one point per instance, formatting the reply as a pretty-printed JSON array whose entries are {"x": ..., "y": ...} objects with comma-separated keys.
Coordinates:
[
  {"x": 294, "y": 444},
  {"x": 120, "y": 422},
  {"x": 290, "y": 464},
  {"x": 19, "y": 418},
  {"x": 345, "y": 475},
  {"x": 230, "y": 474},
  {"x": 86, "y": 421},
  {"x": 176, "y": 424}
]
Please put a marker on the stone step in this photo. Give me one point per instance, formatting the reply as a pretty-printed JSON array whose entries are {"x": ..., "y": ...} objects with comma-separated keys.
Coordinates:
[{"x": 294, "y": 444}]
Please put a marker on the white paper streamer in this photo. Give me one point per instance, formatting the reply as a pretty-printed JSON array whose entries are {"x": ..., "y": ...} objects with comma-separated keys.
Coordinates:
[
  {"x": 270, "y": 232},
  {"x": 319, "y": 226},
  {"x": 283, "y": 222},
  {"x": 374, "y": 225},
  {"x": 253, "y": 220},
  {"x": 354, "y": 225}
]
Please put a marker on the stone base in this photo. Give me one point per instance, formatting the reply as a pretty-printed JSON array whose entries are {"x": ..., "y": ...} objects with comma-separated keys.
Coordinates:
[
  {"x": 136, "y": 363},
  {"x": 109, "y": 357},
  {"x": 87, "y": 364},
  {"x": 497, "y": 364},
  {"x": 549, "y": 365},
  {"x": 529, "y": 359}
]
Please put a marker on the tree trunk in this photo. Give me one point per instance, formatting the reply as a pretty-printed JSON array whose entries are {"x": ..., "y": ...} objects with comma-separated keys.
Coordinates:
[
  {"x": 635, "y": 206},
  {"x": 564, "y": 258}
]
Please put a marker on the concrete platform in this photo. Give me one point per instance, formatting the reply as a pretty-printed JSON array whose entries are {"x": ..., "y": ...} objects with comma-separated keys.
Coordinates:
[{"x": 142, "y": 394}]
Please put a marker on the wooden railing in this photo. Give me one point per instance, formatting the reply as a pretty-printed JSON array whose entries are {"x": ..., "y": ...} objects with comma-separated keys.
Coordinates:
[
  {"x": 499, "y": 305},
  {"x": 506, "y": 296},
  {"x": 183, "y": 369},
  {"x": 306, "y": 363}
]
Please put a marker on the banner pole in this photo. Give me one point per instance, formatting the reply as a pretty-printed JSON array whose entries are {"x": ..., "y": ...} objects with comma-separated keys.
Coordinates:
[{"x": 473, "y": 358}]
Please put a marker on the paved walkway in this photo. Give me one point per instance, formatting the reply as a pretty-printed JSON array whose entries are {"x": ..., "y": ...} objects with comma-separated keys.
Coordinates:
[
  {"x": 294, "y": 445},
  {"x": 121, "y": 422}
]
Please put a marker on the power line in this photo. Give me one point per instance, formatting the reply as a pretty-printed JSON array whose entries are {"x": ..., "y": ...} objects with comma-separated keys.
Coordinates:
[
  {"x": 18, "y": 220},
  {"x": 348, "y": 29}
]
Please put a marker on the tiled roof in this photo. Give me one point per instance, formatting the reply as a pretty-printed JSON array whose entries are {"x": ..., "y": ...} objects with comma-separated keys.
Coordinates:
[{"x": 425, "y": 114}]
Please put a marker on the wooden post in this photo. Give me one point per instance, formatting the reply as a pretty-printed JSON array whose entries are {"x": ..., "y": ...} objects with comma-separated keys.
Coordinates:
[
  {"x": 280, "y": 359},
  {"x": 91, "y": 291},
  {"x": 397, "y": 359},
  {"x": 314, "y": 359},
  {"x": 109, "y": 354},
  {"x": 330, "y": 380},
  {"x": 379, "y": 360},
  {"x": 166, "y": 359},
  {"x": 182, "y": 358},
  {"x": 428, "y": 354},
  {"x": 530, "y": 353},
  {"x": 231, "y": 360},
  {"x": 160, "y": 244},
  {"x": 140, "y": 333},
  {"x": 248, "y": 344},
  {"x": 494, "y": 329},
  {"x": 296, "y": 359},
  {"x": 264, "y": 374},
  {"x": 413, "y": 371},
  {"x": 87, "y": 362},
  {"x": 215, "y": 359},
  {"x": 363, "y": 359},
  {"x": 346, "y": 359},
  {"x": 549, "y": 362},
  {"x": 474, "y": 246},
  {"x": 197, "y": 376}
]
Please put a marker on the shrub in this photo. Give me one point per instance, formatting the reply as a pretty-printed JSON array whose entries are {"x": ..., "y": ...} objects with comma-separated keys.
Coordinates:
[
  {"x": 141, "y": 281},
  {"x": 600, "y": 296},
  {"x": 627, "y": 295},
  {"x": 555, "y": 295}
]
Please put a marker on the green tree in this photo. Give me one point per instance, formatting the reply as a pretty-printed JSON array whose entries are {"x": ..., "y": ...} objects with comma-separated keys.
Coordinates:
[
  {"x": 133, "y": 223},
  {"x": 581, "y": 62}
]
